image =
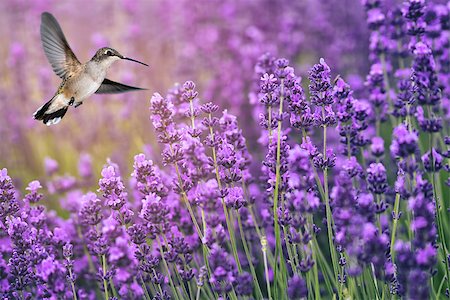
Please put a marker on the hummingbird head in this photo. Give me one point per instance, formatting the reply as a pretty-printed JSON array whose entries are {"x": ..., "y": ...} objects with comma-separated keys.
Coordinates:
[{"x": 106, "y": 56}]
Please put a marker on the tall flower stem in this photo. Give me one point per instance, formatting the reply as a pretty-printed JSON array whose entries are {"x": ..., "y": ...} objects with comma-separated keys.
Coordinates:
[
  {"x": 266, "y": 267},
  {"x": 144, "y": 288},
  {"x": 315, "y": 271},
  {"x": 327, "y": 205},
  {"x": 174, "y": 289},
  {"x": 249, "y": 258},
  {"x": 394, "y": 225},
  {"x": 290, "y": 251},
  {"x": 229, "y": 220},
  {"x": 230, "y": 227},
  {"x": 261, "y": 232},
  {"x": 105, "y": 283},
  {"x": 269, "y": 123},
  {"x": 185, "y": 198},
  {"x": 74, "y": 292},
  {"x": 278, "y": 246},
  {"x": 316, "y": 248}
]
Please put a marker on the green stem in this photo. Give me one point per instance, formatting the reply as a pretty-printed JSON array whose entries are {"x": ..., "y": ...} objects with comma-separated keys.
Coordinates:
[
  {"x": 394, "y": 225},
  {"x": 72, "y": 285},
  {"x": 269, "y": 120},
  {"x": 328, "y": 208},
  {"x": 105, "y": 283},
  {"x": 249, "y": 258},
  {"x": 266, "y": 267},
  {"x": 144, "y": 287},
  {"x": 174, "y": 289},
  {"x": 229, "y": 219},
  {"x": 230, "y": 226},
  {"x": 197, "y": 296},
  {"x": 278, "y": 246}
]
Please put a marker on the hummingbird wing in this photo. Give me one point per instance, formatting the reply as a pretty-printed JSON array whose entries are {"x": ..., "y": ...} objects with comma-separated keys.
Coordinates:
[
  {"x": 56, "y": 48},
  {"x": 112, "y": 87}
]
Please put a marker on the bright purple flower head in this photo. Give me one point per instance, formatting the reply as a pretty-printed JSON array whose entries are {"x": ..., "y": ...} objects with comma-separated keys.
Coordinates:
[
  {"x": 404, "y": 142},
  {"x": 320, "y": 84},
  {"x": 377, "y": 146},
  {"x": 377, "y": 178},
  {"x": 297, "y": 288},
  {"x": 33, "y": 196},
  {"x": 112, "y": 187}
]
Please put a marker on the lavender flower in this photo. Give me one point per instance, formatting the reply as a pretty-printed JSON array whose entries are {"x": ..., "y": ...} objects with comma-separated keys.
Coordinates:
[
  {"x": 413, "y": 12},
  {"x": 223, "y": 272},
  {"x": 112, "y": 188},
  {"x": 33, "y": 196},
  {"x": 297, "y": 288},
  {"x": 377, "y": 178}
]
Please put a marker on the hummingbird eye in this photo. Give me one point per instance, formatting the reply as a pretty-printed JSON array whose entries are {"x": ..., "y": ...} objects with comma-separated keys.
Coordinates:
[{"x": 109, "y": 53}]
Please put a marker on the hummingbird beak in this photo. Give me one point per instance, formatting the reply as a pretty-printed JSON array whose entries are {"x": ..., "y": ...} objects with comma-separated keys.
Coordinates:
[{"x": 127, "y": 58}]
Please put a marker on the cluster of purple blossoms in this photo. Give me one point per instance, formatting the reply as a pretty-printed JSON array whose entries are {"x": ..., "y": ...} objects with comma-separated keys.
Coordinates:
[
  {"x": 328, "y": 213},
  {"x": 352, "y": 122},
  {"x": 357, "y": 232}
]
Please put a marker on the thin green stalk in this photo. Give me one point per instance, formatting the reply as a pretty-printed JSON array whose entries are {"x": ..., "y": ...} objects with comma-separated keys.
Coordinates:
[
  {"x": 249, "y": 258},
  {"x": 197, "y": 296},
  {"x": 375, "y": 281},
  {"x": 230, "y": 227},
  {"x": 158, "y": 285},
  {"x": 327, "y": 205},
  {"x": 113, "y": 288},
  {"x": 261, "y": 233},
  {"x": 278, "y": 246},
  {"x": 255, "y": 221},
  {"x": 266, "y": 267},
  {"x": 441, "y": 285},
  {"x": 315, "y": 272},
  {"x": 394, "y": 225},
  {"x": 72, "y": 285},
  {"x": 233, "y": 295},
  {"x": 269, "y": 120},
  {"x": 289, "y": 250},
  {"x": 144, "y": 287},
  {"x": 174, "y": 289},
  {"x": 105, "y": 283}
]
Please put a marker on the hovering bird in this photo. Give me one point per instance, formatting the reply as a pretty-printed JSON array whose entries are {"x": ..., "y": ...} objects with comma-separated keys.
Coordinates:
[{"x": 79, "y": 81}]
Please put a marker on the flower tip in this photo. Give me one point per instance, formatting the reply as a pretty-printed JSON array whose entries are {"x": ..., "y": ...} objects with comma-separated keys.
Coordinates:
[{"x": 421, "y": 49}]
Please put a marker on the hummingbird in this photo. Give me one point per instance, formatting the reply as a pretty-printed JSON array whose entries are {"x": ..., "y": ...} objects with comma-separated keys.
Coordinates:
[{"x": 79, "y": 80}]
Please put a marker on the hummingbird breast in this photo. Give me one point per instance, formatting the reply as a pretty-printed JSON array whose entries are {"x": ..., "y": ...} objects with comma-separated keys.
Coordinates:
[{"x": 84, "y": 84}]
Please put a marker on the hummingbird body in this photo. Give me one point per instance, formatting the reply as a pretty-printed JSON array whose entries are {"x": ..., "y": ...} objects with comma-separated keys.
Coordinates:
[{"x": 79, "y": 80}]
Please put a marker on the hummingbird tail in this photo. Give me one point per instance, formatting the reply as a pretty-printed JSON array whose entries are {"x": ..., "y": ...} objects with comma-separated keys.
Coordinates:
[{"x": 50, "y": 113}]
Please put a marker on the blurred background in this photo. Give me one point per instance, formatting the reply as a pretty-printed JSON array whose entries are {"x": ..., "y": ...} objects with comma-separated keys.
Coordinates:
[{"x": 215, "y": 43}]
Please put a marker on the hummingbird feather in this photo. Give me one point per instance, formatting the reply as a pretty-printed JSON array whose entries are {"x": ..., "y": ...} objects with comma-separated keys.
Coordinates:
[
  {"x": 53, "y": 111},
  {"x": 58, "y": 52},
  {"x": 112, "y": 87}
]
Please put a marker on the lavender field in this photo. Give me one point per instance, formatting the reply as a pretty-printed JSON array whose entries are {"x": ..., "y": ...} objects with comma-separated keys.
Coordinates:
[{"x": 282, "y": 150}]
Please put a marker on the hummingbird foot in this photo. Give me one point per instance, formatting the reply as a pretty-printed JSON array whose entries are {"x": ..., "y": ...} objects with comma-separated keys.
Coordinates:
[
  {"x": 72, "y": 100},
  {"x": 78, "y": 104}
]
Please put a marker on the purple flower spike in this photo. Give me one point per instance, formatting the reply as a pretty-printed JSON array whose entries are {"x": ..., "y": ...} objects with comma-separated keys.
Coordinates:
[
  {"x": 112, "y": 188},
  {"x": 33, "y": 196},
  {"x": 377, "y": 178}
]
